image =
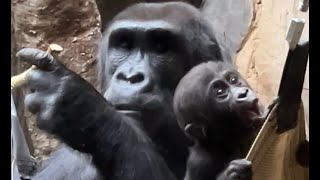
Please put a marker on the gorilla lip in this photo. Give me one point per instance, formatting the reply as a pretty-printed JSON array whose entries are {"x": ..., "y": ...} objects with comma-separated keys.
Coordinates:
[
  {"x": 130, "y": 113},
  {"x": 126, "y": 107},
  {"x": 128, "y": 110}
]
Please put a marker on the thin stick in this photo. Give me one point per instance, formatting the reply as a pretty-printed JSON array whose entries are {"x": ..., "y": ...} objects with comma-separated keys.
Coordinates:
[{"x": 264, "y": 131}]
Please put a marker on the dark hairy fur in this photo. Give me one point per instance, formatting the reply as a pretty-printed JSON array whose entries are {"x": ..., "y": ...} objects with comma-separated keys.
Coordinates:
[
  {"x": 218, "y": 127},
  {"x": 128, "y": 130}
]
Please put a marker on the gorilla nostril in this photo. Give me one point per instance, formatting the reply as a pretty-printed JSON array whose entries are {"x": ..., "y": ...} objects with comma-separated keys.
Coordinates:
[
  {"x": 243, "y": 94},
  {"x": 135, "y": 78},
  {"x": 121, "y": 76}
]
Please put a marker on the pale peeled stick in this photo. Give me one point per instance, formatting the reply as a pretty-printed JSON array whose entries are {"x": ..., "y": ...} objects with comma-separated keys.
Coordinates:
[{"x": 20, "y": 79}]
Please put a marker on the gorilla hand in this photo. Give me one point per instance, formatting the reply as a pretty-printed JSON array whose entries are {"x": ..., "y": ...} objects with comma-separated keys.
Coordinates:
[
  {"x": 70, "y": 108},
  {"x": 64, "y": 103},
  {"x": 239, "y": 169}
]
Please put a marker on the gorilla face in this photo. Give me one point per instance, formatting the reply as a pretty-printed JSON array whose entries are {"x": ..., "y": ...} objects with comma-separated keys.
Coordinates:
[
  {"x": 229, "y": 93},
  {"x": 143, "y": 66},
  {"x": 143, "y": 61},
  {"x": 142, "y": 58}
]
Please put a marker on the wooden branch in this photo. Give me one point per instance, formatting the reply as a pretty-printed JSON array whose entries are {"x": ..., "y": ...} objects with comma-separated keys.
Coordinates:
[{"x": 294, "y": 32}]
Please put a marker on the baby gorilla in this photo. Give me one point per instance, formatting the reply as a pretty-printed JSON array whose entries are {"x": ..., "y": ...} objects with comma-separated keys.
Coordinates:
[{"x": 219, "y": 112}]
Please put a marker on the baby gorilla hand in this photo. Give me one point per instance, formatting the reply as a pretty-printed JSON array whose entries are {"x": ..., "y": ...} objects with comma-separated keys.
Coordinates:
[
  {"x": 64, "y": 103},
  {"x": 239, "y": 169}
]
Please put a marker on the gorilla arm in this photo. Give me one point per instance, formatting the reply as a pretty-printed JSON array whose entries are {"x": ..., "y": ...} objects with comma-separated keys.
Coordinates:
[{"x": 70, "y": 108}]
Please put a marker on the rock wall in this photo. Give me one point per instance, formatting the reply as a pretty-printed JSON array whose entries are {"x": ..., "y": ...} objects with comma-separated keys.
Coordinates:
[
  {"x": 75, "y": 26},
  {"x": 262, "y": 57}
]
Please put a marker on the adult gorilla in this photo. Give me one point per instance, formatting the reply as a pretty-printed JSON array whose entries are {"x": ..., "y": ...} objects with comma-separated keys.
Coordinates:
[{"x": 145, "y": 51}]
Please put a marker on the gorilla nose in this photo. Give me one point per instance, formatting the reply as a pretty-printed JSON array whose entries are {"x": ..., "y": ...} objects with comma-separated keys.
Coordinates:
[
  {"x": 242, "y": 94},
  {"x": 127, "y": 83},
  {"x": 131, "y": 78}
]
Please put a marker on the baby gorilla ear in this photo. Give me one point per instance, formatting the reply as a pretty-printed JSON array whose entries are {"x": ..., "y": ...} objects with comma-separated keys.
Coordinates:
[{"x": 195, "y": 131}]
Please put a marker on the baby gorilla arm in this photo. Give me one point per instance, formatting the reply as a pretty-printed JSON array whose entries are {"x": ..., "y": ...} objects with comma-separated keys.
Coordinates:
[{"x": 70, "y": 108}]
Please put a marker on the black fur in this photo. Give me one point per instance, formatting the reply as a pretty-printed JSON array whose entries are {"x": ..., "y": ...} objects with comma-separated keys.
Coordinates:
[
  {"x": 220, "y": 125},
  {"x": 139, "y": 69},
  {"x": 88, "y": 123}
]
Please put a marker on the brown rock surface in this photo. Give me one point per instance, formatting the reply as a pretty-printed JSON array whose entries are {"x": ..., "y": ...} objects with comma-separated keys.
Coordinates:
[
  {"x": 262, "y": 58},
  {"x": 39, "y": 23}
]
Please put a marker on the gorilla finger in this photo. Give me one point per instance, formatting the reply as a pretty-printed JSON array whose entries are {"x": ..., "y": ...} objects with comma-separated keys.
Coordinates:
[
  {"x": 39, "y": 80},
  {"x": 241, "y": 162},
  {"x": 43, "y": 119},
  {"x": 39, "y": 58},
  {"x": 33, "y": 102},
  {"x": 239, "y": 166},
  {"x": 234, "y": 175}
]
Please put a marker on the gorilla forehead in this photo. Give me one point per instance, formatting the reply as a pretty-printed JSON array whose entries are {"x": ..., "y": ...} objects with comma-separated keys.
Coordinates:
[
  {"x": 139, "y": 24},
  {"x": 144, "y": 16},
  {"x": 174, "y": 12},
  {"x": 217, "y": 67}
]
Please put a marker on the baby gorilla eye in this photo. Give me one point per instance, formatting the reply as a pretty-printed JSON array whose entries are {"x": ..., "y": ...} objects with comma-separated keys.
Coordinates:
[
  {"x": 220, "y": 89},
  {"x": 221, "y": 93},
  {"x": 233, "y": 79}
]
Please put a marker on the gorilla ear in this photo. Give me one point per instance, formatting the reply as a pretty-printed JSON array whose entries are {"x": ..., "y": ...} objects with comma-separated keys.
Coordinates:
[{"x": 195, "y": 131}]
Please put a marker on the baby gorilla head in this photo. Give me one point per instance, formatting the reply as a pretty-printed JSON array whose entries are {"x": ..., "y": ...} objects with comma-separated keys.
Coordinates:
[{"x": 213, "y": 102}]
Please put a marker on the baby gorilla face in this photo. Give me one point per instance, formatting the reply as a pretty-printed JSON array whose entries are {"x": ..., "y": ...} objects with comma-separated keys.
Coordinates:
[
  {"x": 214, "y": 96},
  {"x": 228, "y": 92}
]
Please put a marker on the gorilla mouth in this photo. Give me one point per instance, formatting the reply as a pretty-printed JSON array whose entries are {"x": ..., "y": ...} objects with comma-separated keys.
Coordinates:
[
  {"x": 137, "y": 106},
  {"x": 126, "y": 108},
  {"x": 132, "y": 112}
]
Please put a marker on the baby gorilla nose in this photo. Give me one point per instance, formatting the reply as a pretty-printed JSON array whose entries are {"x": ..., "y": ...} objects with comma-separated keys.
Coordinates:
[
  {"x": 131, "y": 78},
  {"x": 242, "y": 94}
]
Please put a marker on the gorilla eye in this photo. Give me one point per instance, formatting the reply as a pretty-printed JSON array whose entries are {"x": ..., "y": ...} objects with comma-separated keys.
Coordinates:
[
  {"x": 233, "y": 79},
  {"x": 161, "y": 41},
  {"x": 220, "y": 89},
  {"x": 125, "y": 43},
  {"x": 122, "y": 39},
  {"x": 160, "y": 46},
  {"x": 221, "y": 93}
]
